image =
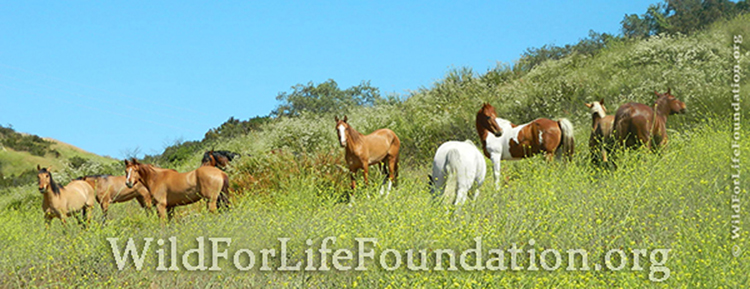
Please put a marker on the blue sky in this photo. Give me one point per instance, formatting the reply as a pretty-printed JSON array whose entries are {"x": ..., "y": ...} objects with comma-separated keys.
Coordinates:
[{"x": 115, "y": 77}]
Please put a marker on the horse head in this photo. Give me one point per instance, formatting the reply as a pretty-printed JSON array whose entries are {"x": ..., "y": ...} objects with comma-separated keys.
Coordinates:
[
  {"x": 486, "y": 118},
  {"x": 132, "y": 172},
  {"x": 341, "y": 128},
  {"x": 597, "y": 107},
  {"x": 44, "y": 178},
  {"x": 669, "y": 104}
]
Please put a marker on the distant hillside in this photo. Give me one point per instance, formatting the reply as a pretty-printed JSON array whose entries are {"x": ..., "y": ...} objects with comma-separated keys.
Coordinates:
[{"x": 20, "y": 153}]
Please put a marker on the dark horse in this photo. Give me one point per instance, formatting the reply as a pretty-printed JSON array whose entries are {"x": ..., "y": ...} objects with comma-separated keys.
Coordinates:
[
  {"x": 219, "y": 159},
  {"x": 637, "y": 123}
]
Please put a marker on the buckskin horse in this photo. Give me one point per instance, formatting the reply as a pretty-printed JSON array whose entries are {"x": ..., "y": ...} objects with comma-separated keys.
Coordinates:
[
  {"x": 638, "y": 124},
  {"x": 112, "y": 189},
  {"x": 379, "y": 147},
  {"x": 503, "y": 140},
  {"x": 602, "y": 125},
  {"x": 170, "y": 188},
  {"x": 62, "y": 202}
]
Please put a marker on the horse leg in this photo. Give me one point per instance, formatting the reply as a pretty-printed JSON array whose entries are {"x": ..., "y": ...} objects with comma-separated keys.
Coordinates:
[
  {"x": 496, "y": 170},
  {"x": 161, "y": 208},
  {"x": 365, "y": 170},
  {"x": 105, "y": 208}
]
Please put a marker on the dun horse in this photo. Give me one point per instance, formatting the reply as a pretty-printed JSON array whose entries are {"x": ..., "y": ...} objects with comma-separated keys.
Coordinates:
[
  {"x": 455, "y": 168},
  {"x": 600, "y": 141},
  {"x": 112, "y": 189},
  {"x": 62, "y": 202},
  {"x": 502, "y": 140},
  {"x": 638, "y": 124},
  {"x": 170, "y": 188},
  {"x": 381, "y": 146}
]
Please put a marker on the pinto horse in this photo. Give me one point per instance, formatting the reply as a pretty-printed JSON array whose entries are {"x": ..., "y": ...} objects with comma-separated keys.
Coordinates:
[
  {"x": 219, "y": 159},
  {"x": 379, "y": 147},
  {"x": 503, "y": 140},
  {"x": 170, "y": 188},
  {"x": 602, "y": 125},
  {"x": 61, "y": 202},
  {"x": 112, "y": 189},
  {"x": 638, "y": 124},
  {"x": 456, "y": 167}
]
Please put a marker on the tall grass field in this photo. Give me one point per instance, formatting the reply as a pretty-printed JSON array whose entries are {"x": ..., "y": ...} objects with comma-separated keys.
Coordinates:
[{"x": 657, "y": 220}]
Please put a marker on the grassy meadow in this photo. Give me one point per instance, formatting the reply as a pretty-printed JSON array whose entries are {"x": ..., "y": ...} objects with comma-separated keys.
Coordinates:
[{"x": 678, "y": 199}]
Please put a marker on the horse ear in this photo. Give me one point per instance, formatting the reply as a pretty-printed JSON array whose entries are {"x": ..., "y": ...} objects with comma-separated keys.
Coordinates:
[
  {"x": 601, "y": 101},
  {"x": 345, "y": 118},
  {"x": 126, "y": 162},
  {"x": 669, "y": 90},
  {"x": 588, "y": 105},
  {"x": 38, "y": 168},
  {"x": 336, "y": 117}
]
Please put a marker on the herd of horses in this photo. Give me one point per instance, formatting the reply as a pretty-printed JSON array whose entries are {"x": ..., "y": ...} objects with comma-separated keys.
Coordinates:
[{"x": 457, "y": 166}]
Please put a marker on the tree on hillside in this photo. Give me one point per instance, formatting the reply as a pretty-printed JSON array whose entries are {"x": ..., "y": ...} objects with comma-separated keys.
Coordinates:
[
  {"x": 325, "y": 98},
  {"x": 680, "y": 16}
]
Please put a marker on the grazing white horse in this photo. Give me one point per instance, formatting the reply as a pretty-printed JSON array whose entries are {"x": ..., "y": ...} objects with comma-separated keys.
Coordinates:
[{"x": 456, "y": 167}]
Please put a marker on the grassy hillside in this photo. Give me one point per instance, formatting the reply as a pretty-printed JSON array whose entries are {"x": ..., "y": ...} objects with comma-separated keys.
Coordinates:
[
  {"x": 677, "y": 200},
  {"x": 18, "y": 159}
]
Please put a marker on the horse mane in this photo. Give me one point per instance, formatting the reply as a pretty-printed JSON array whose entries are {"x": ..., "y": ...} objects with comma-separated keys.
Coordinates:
[
  {"x": 102, "y": 176},
  {"x": 55, "y": 187},
  {"x": 353, "y": 133}
]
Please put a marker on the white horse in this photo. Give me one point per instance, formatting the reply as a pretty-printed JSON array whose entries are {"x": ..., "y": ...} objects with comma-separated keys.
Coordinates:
[
  {"x": 503, "y": 140},
  {"x": 457, "y": 165}
]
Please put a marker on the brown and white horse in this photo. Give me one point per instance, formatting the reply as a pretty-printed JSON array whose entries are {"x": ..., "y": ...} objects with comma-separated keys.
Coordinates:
[
  {"x": 521, "y": 141},
  {"x": 638, "y": 124},
  {"x": 381, "y": 146},
  {"x": 61, "y": 202},
  {"x": 112, "y": 189},
  {"x": 602, "y": 125},
  {"x": 170, "y": 188}
]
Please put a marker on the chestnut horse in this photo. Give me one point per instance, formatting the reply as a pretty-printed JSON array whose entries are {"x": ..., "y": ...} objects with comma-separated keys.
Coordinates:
[
  {"x": 62, "y": 202},
  {"x": 379, "y": 147},
  {"x": 636, "y": 124},
  {"x": 600, "y": 141},
  {"x": 112, "y": 189},
  {"x": 170, "y": 188},
  {"x": 521, "y": 141}
]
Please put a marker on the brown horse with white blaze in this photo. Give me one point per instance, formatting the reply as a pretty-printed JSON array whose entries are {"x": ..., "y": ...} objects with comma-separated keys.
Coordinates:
[
  {"x": 503, "y": 140},
  {"x": 62, "y": 202},
  {"x": 170, "y": 188},
  {"x": 381, "y": 146},
  {"x": 639, "y": 124},
  {"x": 112, "y": 189}
]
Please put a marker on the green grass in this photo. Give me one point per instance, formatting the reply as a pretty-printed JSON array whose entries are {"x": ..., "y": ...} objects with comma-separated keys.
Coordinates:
[{"x": 676, "y": 200}]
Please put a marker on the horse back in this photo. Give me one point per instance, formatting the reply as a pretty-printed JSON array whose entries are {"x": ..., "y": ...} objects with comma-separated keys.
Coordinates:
[
  {"x": 382, "y": 143},
  {"x": 78, "y": 194}
]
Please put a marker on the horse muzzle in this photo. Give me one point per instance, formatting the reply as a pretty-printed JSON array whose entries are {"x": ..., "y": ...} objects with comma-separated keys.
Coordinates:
[
  {"x": 498, "y": 134},
  {"x": 129, "y": 184}
]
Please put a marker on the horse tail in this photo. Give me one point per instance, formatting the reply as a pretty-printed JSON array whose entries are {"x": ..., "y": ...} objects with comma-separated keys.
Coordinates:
[
  {"x": 451, "y": 169},
  {"x": 567, "y": 142}
]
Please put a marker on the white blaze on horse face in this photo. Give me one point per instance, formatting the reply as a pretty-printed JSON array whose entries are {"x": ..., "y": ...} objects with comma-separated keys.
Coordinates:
[
  {"x": 127, "y": 178},
  {"x": 342, "y": 134},
  {"x": 597, "y": 108}
]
